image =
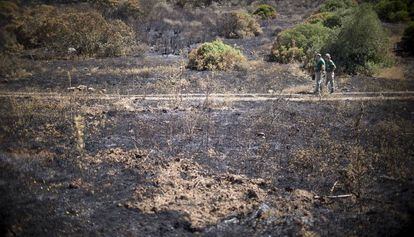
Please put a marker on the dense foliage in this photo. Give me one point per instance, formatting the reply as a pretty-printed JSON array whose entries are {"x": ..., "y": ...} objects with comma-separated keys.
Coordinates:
[
  {"x": 265, "y": 11},
  {"x": 394, "y": 10},
  {"x": 336, "y": 5},
  {"x": 327, "y": 19},
  {"x": 408, "y": 38},
  {"x": 300, "y": 41},
  {"x": 362, "y": 43},
  {"x": 351, "y": 33},
  {"x": 215, "y": 55}
]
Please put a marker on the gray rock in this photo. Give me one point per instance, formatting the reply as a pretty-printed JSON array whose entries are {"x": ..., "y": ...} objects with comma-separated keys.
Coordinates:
[{"x": 82, "y": 87}]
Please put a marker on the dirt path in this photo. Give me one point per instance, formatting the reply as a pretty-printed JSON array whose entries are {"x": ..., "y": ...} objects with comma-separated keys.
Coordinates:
[{"x": 305, "y": 97}]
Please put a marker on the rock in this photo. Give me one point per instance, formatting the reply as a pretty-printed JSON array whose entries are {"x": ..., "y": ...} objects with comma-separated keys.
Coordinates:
[
  {"x": 264, "y": 207},
  {"x": 71, "y": 50},
  {"x": 82, "y": 87},
  {"x": 270, "y": 91},
  {"x": 263, "y": 212},
  {"x": 103, "y": 91},
  {"x": 261, "y": 134},
  {"x": 71, "y": 88},
  {"x": 231, "y": 221},
  {"x": 91, "y": 89}
]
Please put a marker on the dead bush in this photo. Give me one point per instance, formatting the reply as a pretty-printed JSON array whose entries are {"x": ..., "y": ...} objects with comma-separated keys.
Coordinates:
[
  {"x": 12, "y": 67},
  {"x": 358, "y": 173},
  {"x": 9, "y": 11},
  {"x": 240, "y": 25},
  {"x": 58, "y": 29},
  {"x": 120, "y": 9},
  {"x": 172, "y": 29}
]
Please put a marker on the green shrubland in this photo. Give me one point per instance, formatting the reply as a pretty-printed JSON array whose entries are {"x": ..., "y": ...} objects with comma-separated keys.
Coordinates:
[
  {"x": 337, "y": 5},
  {"x": 300, "y": 42},
  {"x": 265, "y": 11},
  {"x": 215, "y": 55},
  {"x": 394, "y": 10},
  {"x": 327, "y": 19},
  {"x": 361, "y": 44},
  {"x": 354, "y": 36}
]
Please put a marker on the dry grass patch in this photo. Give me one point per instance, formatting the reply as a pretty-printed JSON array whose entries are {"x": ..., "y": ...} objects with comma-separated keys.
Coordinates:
[
  {"x": 392, "y": 73},
  {"x": 185, "y": 186}
]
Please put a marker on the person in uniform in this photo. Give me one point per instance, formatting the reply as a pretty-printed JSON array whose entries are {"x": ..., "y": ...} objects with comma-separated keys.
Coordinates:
[
  {"x": 330, "y": 72},
  {"x": 319, "y": 72}
]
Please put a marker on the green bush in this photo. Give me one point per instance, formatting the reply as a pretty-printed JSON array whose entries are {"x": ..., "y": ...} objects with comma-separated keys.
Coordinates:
[
  {"x": 319, "y": 17},
  {"x": 284, "y": 54},
  {"x": 302, "y": 40},
  {"x": 336, "y": 5},
  {"x": 265, "y": 11},
  {"x": 362, "y": 43},
  {"x": 328, "y": 19},
  {"x": 408, "y": 38},
  {"x": 215, "y": 55},
  {"x": 393, "y": 10},
  {"x": 333, "y": 21},
  {"x": 88, "y": 32},
  {"x": 240, "y": 25}
]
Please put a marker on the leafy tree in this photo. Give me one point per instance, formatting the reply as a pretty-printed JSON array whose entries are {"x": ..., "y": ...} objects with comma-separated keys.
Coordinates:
[
  {"x": 362, "y": 43},
  {"x": 393, "y": 10}
]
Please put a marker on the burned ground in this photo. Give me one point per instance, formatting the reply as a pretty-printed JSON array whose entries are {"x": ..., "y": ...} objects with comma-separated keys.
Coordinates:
[{"x": 203, "y": 168}]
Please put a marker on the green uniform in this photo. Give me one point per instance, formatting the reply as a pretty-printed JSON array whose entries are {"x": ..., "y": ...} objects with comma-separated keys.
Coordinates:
[
  {"x": 330, "y": 75},
  {"x": 330, "y": 66},
  {"x": 320, "y": 65},
  {"x": 319, "y": 71}
]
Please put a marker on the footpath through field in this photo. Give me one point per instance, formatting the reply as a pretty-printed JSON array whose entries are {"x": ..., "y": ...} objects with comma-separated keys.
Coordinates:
[{"x": 252, "y": 97}]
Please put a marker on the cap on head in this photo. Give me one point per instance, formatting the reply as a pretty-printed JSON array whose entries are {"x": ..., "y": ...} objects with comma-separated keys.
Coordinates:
[
  {"x": 328, "y": 55},
  {"x": 318, "y": 55}
]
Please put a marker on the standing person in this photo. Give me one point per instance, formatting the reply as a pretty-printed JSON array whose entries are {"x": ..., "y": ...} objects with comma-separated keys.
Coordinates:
[
  {"x": 330, "y": 72},
  {"x": 319, "y": 72}
]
